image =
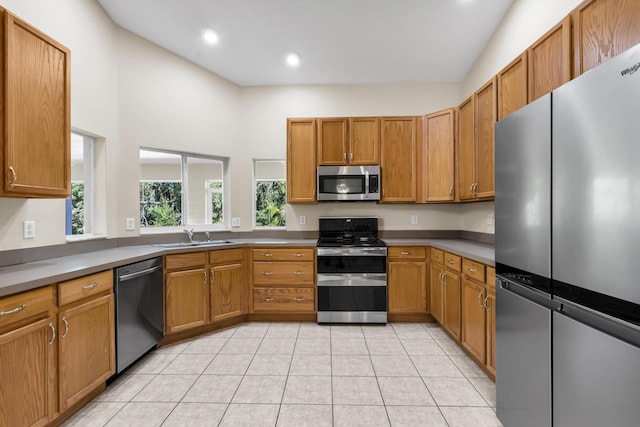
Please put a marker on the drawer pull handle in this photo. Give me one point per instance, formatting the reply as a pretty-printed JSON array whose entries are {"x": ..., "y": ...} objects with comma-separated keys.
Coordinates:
[
  {"x": 472, "y": 270},
  {"x": 91, "y": 286},
  {"x": 267, "y": 254},
  {"x": 298, "y": 254},
  {"x": 66, "y": 327},
  {"x": 268, "y": 299},
  {"x": 436, "y": 257},
  {"x": 405, "y": 253},
  {"x": 299, "y": 299},
  {"x": 299, "y": 273},
  {"x": 53, "y": 333},
  {"x": 15, "y": 310},
  {"x": 450, "y": 261},
  {"x": 267, "y": 273}
]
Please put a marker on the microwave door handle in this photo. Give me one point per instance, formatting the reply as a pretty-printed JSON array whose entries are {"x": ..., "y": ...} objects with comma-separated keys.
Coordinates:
[{"x": 366, "y": 184}]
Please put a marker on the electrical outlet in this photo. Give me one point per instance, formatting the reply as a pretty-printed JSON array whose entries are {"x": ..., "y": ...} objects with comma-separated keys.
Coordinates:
[
  {"x": 130, "y": 224},
  {"x": 235, "y": 222},
  {"x": 302, "y": 220},
  {"x": 29, "y": 230},
  {"x": 490, "y": 219},
  {"x": 414, "y": 219}
]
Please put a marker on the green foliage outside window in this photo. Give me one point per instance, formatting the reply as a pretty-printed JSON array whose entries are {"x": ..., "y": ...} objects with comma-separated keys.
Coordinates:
[
  {"x": 216, "y": 202},
  {"x": 77, "y": 208},
  {"x": 160, "y": 204},
  {"x": 271, "y": 199}
]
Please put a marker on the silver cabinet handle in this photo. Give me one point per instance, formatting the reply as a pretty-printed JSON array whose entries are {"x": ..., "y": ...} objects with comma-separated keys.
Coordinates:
[
  {"x": 450, "y": 261},
  {"x": 344, "y": 157},
  {"x": 480, "y": 299},
  {"x": 298, "y": 254},
  {"x": 66, "y": 327},
  {"x": 299, "y": 273},
  {"x": 15, "y": 310},
  {"x": 471, "y": 270},
  {"x": 405, "y": 253},
  {"x": 204, "y": 277},
  {"x": 435, "y": 257},
  {"x": 267, "y": 273},
  {"x": 484, "y": 303},
  {"x": 211, "y": 277},
  {"x": 351, "y": 159},
  {"x": 299, "y": 299},
  {"x": 14, "y": 176},
  {"x": 451, "y": 190},
  {"x": 471, "y": 188},
  {"x": 268, "y": 299},
  {"x": 267, "y": 254},
  {"x": 91, "y": 286},
  {"x": 53, "y": 333}
]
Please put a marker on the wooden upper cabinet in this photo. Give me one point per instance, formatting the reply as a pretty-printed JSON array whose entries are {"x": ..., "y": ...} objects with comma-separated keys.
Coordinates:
[
  {"x": 365, "y": 141},
  {"x": 349, "y": 141},
  {"x": 440, "y": 132},
  {"x": 512, "y": 86},
  {"x": 301, "y": 161},
  {"x": 485, "y": 119},
  {"x": 333, "y": 141},
  {"x": 603, "y": 29},
  {"x": 549, "y": 60},
  {"x": 35, "y": 126},
  {"x": 398, "y": 159},
  {"x": 466, "y": 150}
]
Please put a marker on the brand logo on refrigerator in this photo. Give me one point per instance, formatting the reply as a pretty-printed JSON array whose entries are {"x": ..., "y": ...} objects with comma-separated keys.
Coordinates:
[{"x": 630, "y": 70}]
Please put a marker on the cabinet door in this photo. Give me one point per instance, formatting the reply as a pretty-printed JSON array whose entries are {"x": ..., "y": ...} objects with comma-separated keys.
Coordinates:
[
  {"x": 451, "y": 304},
  {"x": 512, "y": 86},
  {"x": 333, "y": 137},
  {"x": 365, "y": 141},
  {"x": 407, "y": 287},
  {"x": 28, "y": 373},
  {"x": 87, "y": 348},
  {"x": 227, "y": 287},
  {"x": 485, "y": 120},
  {"x": 435, "y": 291},
  {"x": 398, "y": 159},
  {"x": 466, "y": 150},
  {"x": 603, "y": 29},
  {"x": 490, "y": 306},
  {"x": 301, "y": 161},
  {"x": 549, "y": 60},
  {"x": 440, "y": 138},
  {"x": 473, "y": 319},
  {"x": 37, "y": 138},
  {"x": 187, "y": 300}
]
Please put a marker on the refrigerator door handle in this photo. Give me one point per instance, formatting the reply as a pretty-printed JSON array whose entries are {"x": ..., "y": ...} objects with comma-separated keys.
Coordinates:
[
  {"x": 530, "y": 294},
  {"x": 617, "y": 328}
]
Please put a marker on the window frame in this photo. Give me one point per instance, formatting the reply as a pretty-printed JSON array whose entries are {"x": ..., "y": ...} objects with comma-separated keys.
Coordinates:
[
  {"x": 254, "y": 182},
  {"x": 89, "y": 182}
]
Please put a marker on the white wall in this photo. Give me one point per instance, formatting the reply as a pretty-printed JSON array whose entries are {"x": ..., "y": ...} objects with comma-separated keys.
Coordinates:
[{"x": 131, "y": 93}]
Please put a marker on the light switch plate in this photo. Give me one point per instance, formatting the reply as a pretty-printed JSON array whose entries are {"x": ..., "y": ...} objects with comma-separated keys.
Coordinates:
[
  {"x": 235, "y": 222},
  {"x": 29, "y": 230},
  {"x": 302, "y": 220},
  {"x": 414, "y": 219},
  {"x": 130, "y": 224}
]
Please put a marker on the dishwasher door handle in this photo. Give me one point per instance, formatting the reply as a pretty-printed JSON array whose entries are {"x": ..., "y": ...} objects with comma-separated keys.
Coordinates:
[{"x": 139, "y": 273}]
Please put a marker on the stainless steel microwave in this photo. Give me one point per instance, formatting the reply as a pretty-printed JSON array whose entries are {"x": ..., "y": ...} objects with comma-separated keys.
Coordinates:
[{"x": 349, "y": 183}]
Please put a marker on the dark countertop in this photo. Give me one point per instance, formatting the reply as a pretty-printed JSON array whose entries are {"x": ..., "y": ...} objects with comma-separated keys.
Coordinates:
[{"x": 31, "y": 275}]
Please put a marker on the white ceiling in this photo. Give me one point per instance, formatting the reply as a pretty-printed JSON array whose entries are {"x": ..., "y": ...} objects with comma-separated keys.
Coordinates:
[{"x": 340, "y": 41}]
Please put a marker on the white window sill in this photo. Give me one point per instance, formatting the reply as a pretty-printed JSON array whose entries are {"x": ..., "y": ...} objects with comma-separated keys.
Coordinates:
[
  {"x": 86, "y": 237},
  {"x": 171, "y": 230}
]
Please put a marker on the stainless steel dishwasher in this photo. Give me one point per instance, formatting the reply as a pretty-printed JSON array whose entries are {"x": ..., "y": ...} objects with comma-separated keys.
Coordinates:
[{"x": 139, "y": 310}]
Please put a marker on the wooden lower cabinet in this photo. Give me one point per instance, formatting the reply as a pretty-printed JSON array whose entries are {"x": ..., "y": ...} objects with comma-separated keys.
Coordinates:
[
  {"x": 28, "y": 373},
  {"x": 226, "y": 291},
  {"x": 474, "y": 319},
  {"x": 86, "y": 348},
  {"x": 435, "y": 291},
  {"x": 286, "y": 299},
  {"x": 407, "y": 287},
  {"x": 187, "y": 300},
  {"x": 451, "y": 303}
]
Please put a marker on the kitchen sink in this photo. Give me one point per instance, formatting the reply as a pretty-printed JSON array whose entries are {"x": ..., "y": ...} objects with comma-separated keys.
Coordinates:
[{"x": 194, "y": 243}]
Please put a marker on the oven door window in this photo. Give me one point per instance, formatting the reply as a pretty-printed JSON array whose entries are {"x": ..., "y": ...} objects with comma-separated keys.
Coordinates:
[
  {"x": 352, "y": 298},
  {"x": 342, "y": 184},
  {"x": 352, "y": 264}
]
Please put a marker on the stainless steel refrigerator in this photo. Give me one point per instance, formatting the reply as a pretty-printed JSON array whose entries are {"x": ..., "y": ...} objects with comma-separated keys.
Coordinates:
[{"x": 568, "y": 209}]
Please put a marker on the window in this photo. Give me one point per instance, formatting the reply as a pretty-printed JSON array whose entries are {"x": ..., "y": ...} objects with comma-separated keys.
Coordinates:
[
  {"x": 80, "y": 207},
  {"x": 270, "y": 193},
  {"x": 178, "y": 189}
]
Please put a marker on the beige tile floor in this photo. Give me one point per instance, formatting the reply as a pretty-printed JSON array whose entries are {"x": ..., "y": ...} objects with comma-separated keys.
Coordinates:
[{"x": 301, "y": 374}]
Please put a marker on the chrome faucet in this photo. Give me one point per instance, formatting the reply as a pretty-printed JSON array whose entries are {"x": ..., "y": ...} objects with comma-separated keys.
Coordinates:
[
  {"x": 189, "y": 234},
  {"x": 206, "y": 233}
]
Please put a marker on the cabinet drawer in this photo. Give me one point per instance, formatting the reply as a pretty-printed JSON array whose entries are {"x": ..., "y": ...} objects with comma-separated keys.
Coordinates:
[
  {"x": 225, "y": 256},
  {"x": 181, "y": 261},
  {"x": 473, "y": 269},
  {"x": 284, "y": 299},
  {"x": 283, "y": 254},
  {"x": 26, "y": 304},
  {"x": 83, "y": 287},
  {"x": 436, "y": 256},
  {"x": 453, "y": 262},
  {"x": 491, "y": 277},
  {"x": 407, "y": 252},
  {"x": 283, "y": 273}
]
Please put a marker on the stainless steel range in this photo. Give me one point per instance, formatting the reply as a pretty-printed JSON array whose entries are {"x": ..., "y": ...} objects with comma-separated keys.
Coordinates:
[{"x": 352, "y": 271}]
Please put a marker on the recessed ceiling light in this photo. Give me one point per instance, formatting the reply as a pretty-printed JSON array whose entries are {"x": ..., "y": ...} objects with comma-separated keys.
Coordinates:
[
  {"x": 210, "y": 36},
  {"x": 293, "y": 59}
]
